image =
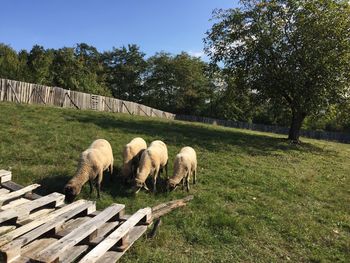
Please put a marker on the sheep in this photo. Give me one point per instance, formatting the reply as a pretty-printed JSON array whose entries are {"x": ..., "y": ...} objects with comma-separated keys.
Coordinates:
[
  {"x": 185, "y": 164},
  {"x": 93, "y": 161},
  {"x": 152, "y": 162},
  {"x": 131, "y": 156}
]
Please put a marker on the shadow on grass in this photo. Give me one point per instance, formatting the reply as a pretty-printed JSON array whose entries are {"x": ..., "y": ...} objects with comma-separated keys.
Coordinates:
[
  {"x": 206, "y": 137},
  {"x": 54, "y": 183},
  {"x": 119, "y": 186}
]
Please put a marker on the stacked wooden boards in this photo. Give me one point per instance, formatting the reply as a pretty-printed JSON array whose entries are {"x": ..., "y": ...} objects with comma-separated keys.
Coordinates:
[{"x": 43, "y": 229}]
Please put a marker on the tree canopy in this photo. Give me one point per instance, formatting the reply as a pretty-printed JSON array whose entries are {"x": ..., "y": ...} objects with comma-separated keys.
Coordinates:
[{"x": 293, "y": 53}]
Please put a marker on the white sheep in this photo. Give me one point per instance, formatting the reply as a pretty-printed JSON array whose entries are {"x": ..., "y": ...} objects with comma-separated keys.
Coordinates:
[
  {"x": 185, "y": 165},
  {"x": 131, "y": 156},
  {"x": 93, "y": 161},
  {"x": 152, "y": 162}
]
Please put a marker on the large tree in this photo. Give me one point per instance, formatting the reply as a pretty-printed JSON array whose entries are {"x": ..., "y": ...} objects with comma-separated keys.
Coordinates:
[
  {"x": 292, "y": 52},
  {"x": 177, "y": 83},
  {"x": 125, "y": 67}
]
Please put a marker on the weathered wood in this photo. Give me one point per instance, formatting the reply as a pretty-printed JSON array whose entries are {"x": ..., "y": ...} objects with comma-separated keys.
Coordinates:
[
  {"x": 36, "y": 246},
  {"x": 103, "y": 231},
  {"x": 23, "y": 210},
  {"x": 116, "y": 235},
  {"x": 15, "y": 203},
  {"x": 112, "y": 256},
  {"x": 73, "y": 253},
  {"x": 39, "y": 221},
  {"x": 164, "y": 208},
  {"x": 5, "y": 176},
  {"x": 12, "y": 186},
  {"x": 4, "y": 191},
  {"x": 70, "y": 225},
  {"x": 18, "y": 193},
  {"x": 6, "y": 229},
  {"x": 33, "y": 216},
  {"x": 53, "y": 252},
  {"x": 156, "y": 225},
  {"x": 13, "y": 249}
]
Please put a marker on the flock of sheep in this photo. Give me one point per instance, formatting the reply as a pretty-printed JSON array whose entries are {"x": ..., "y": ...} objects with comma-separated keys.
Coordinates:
[{"x": 139, "y": 162}]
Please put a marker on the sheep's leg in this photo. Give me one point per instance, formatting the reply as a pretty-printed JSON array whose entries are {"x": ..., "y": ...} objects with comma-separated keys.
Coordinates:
[
  {"x": 91, "y": 186},
  {"x": 166, "y": 169},
  {"x": 98, "y": 183},
  {"x": 194, "y": 175},
  {"x": 111, "y": 170},
  {"x": 156, "y": 172},
  {"x": 188, "y": 180},
  {"x": 183, "y": 183},
  {"x": 145, "y": 186}
]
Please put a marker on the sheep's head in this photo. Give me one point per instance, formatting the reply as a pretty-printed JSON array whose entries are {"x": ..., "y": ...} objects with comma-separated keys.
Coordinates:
[
  {"x": 171, "y": 185},
  {"x": 139, "y": 185},
  {"x": 71, "y": 191}
]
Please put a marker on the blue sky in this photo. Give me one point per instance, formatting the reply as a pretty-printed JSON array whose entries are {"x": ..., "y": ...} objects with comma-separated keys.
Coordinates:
[{"x": 154, "y": 25}]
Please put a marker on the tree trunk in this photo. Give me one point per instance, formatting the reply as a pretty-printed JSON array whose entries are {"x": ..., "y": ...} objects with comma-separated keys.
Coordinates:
[{"x": 294, "y": 130}]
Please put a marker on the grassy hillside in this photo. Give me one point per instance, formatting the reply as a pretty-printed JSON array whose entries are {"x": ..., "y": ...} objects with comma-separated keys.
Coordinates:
[{"x": 258, "y": 198}]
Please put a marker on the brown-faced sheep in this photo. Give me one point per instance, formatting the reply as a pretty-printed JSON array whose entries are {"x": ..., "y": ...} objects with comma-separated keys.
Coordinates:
[
  {"x": 93, "y": 161},
  {"x": 184, "y": 165},
  {"x": 152, "y": 162},
  {"x": 131, "y": 156}
]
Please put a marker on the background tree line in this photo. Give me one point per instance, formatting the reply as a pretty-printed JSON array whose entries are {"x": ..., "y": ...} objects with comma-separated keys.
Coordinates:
[{"x": 283, "y": 62}]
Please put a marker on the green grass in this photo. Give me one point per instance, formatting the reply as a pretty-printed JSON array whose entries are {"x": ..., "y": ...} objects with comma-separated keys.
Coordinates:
[{"x": 258, "y": 198}]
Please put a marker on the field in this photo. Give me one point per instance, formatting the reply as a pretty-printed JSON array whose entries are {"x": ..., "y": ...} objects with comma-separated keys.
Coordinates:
[{"x": 258, "y": 198}]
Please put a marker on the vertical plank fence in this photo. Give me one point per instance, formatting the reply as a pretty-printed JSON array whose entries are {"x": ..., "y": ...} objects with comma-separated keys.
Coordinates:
[{"x": 22, "y": 92}]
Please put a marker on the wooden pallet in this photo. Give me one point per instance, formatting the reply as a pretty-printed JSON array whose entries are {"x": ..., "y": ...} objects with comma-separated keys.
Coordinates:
[{"x": 37, "y": 228}]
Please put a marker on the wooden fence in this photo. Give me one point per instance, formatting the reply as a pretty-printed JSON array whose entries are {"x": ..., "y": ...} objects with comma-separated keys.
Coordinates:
[
  {"x": 321, "y": 135},
  {"x": 22, "y": 92}
]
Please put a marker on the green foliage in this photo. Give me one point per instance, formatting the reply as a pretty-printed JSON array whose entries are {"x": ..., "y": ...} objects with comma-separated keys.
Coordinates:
[
  {"x": 295, "y": 52},
  {"x": 258, "y": 197},
  {"x": 9, "y": 63},
  {"x": 125, "y": 68},
  {"x": 177, "y": 83},
  {"x": 39, "y": 62}
]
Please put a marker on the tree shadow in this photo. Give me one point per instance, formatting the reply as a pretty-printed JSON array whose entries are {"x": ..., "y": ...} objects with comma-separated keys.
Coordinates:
[{"x": 197, "y": 135}]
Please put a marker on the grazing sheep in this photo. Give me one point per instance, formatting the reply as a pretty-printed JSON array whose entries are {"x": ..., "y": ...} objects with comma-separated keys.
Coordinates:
[
  {"x": 184, "y": 165},
  {"x": 131, "y": 156},
  {"x": 152, "y": 162},
  {"x": 93, "y": 161}
]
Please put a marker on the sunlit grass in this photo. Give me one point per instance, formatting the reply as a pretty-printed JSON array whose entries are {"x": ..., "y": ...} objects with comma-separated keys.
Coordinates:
[{"x": 258, "y": 198}]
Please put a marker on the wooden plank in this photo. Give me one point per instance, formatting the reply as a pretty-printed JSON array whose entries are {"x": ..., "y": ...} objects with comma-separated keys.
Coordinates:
[
  {"x": 35, "y": 215},
  {"x": 73, "y": 253},
  {"x": 18, "y": 193},
  {"x": 115, "y": 236},
  {"x": 6, "y": 229},
  {"x": 112, "y": 256},
  {"x": 53, "y": 252},
  {"x": 15, "y": 203},
  {"x": 5, "y": 176},
  {"x": 36, "y": 246},
  {"x": 39, "y": 221},
  {"x": 70, "y": 225},
  {"x": 100, "y": 234},
  {"x": 4, "y": 191},
  {"x": 103, "y": 231},
  {"x": 12, "y": 186},
  {"x": 13, "y": 249},
  {"x": 22, "y": 211}
]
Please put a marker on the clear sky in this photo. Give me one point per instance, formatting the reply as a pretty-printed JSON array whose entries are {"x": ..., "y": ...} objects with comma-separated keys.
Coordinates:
[{"x": 154, "y": 25}]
